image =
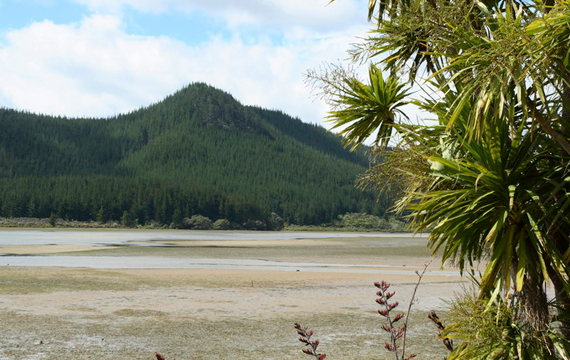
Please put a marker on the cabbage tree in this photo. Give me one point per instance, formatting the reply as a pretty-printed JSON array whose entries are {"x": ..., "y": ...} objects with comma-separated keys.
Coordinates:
[{"x": 491, "y": 179}]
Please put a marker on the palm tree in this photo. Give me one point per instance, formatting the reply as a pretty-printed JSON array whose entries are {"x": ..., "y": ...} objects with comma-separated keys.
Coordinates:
[{"x": 491, "y": 179}]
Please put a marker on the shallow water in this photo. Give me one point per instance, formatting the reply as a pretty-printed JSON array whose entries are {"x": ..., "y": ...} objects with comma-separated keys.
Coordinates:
[
  {"x": 109, "y": 237},
  {"x": 125, "y": 262},
  {"x": 146, "y": 238}
]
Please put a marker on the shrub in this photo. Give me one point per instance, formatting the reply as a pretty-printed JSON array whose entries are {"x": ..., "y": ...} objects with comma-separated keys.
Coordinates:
[
  {"x": 222, "y": 224},
  {"x": 177, "y": 219},
  {"x": 362, "y": 221},
  {"x": 397, "y": 225},
  {"x": 53, "y": 219},
  {"x": 254, "y": 225},
  {"x": 128, "y": 219},
  {"x": 101, "y": 216},
  {"x": 198, "y": 222},
  {"x": 275, "y": 222},
  {"x": 499, "y": 330}
]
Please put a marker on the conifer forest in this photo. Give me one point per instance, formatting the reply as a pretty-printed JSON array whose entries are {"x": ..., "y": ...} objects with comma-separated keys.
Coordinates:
[{"x": 197, "y": 152}]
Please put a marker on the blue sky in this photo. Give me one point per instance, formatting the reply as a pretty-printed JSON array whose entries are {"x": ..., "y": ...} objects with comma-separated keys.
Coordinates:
[{"x": 97, "y": 58}]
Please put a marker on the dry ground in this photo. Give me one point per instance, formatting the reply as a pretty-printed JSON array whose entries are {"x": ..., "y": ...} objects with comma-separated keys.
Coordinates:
[{"x": 58, "y": 313}]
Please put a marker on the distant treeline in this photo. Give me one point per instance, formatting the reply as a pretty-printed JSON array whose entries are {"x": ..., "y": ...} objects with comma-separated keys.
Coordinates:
[{"x": 198, "y": 152}]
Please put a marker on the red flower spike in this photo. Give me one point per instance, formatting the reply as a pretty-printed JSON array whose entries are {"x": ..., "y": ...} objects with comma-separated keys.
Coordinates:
[
  {"x": 383, "y": 312},
  {"x": 397, "y": 317},
  {"x": 305, "y": 338},
  {"x": 159, "y": 357}
]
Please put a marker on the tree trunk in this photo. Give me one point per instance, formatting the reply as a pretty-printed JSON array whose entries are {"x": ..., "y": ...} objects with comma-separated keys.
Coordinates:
[
  {"x": 562, "y": 298},
  {"x": 534, "y": 303},
  {"x": 563, "y": 304}
]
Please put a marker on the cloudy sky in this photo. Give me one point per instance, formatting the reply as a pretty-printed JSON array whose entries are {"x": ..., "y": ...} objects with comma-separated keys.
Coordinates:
[{"x": 97, "y": 58}]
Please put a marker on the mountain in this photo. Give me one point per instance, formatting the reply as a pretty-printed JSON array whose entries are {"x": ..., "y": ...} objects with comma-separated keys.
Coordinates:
[{"x": 199, "y": 151}]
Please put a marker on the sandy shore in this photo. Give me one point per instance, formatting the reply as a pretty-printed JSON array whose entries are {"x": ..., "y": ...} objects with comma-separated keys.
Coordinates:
[
  {"x": 57, "y": 313},
  {"x": 45, "y": 249}
]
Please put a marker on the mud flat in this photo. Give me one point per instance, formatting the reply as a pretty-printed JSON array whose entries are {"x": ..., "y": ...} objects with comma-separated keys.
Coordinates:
[{"x": 80, "y": 312}]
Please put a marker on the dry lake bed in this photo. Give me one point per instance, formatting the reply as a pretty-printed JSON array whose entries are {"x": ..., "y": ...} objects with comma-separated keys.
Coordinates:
[{"x": 211, "y": 295}]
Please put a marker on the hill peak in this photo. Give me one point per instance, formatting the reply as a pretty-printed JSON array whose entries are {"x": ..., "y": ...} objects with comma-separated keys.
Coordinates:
[{"x": 213, "y": 107}]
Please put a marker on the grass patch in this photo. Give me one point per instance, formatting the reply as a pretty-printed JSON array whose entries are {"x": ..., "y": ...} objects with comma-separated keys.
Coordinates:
[{"x": 35, "y": 280}]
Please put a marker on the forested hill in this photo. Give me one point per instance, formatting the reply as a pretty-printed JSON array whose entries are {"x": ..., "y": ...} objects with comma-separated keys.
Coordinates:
[{"x": 198, "y": 151}]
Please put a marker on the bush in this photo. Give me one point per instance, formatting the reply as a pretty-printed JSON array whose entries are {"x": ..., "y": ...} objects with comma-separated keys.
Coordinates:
[
  {"x": 222, "y": 224},
  {"x": 275, "y": 222},
  {"x": 397, "y": 225},
  {"x": 198, "y": 222},
  {"x": 500, "y": 330},
  {"x": 101, "y": 216},
  {"x": 128, "y": 219},
  {"x": 177, "y": 219},
  {"x": 254, "y": 225},
  {"x": 53, "y": 219},
  {"x": 362, "y": 221}
]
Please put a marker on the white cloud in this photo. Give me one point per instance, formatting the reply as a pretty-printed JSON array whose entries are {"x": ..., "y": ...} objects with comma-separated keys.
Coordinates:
[
  {"x": 94, "y": 68},
  {"x": 312, "y": 14},
  {"x": 87, "y": 69}
]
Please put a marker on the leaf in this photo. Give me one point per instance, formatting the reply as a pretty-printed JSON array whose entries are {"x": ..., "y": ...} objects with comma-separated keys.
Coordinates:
[{"x": 522, "y": 263}]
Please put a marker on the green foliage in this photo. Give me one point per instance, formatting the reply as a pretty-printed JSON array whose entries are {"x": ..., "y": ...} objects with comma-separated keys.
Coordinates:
[
  {"x": 198, "y": 222},
  {"x": 254, "y": 225},
  {"x": 275, "y": 222},
  {"x": 490, "y": 178},
  {"x": 367, "y": 108},
  {"x": 362, "y": 221},
  {"x": 499, "y": 332},
  {"x": 101, "y": 216},
  {"x": 53, "y": 219},
  {"x": 128, "y": 220},
  {"x": 177, "y": 218},
  {"x": 493, "y": 198},
  {"x": 222, "y": 224},
  {"x": 198, "y": 151}
]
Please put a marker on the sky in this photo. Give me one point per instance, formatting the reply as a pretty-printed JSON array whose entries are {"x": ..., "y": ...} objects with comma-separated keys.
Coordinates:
[{"x": 99, "y": 58}]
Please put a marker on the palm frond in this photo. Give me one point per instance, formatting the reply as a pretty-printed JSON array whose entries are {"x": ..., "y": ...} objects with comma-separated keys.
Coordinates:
[{"x": 368, "y": 108}]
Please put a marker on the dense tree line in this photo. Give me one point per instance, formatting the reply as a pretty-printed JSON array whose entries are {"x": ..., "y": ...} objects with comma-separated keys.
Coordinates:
[{"x": 198, "y": 151}]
